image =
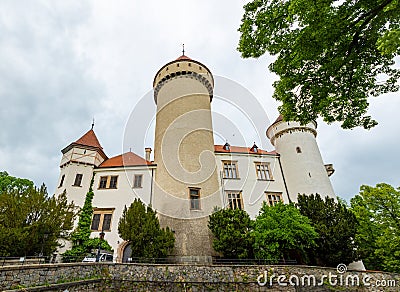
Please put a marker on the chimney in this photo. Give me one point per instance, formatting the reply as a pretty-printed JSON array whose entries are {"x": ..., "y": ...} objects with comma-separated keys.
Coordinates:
[{"x": 148, "y": 152}]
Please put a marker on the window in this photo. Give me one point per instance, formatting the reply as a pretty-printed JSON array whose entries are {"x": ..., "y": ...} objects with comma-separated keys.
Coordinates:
[
  {"x": 113, "y": 182},
  {"x": 102, "y": 219},
  {"x": 107, "y": 221},
  {"x": 234, "y": 200},
  {"x": 95, "y": 222},
  {"x": 108, "y": 182},
  {"x": 263, "y": 171},
  {"x": 137, "y": 181},
  {"x": 62, "y": 181},
  {"x": 194, "y": 199},
  {"x": 273, "y": 198},
  {"x": 103, "y": 182},
  {"x": 230, "y": 169},
  {"x": 298, "y": 149},
  {"x": 78, "y": 180}
]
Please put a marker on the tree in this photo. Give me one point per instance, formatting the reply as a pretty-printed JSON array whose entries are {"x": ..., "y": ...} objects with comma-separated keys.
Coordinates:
[
  {"x": 139, "y": 226},
  {"x": 378, "y": 211},
  {"x": 232, "y": 233},
  {"x": 336, "y": 226},
  {"x": 331, "y": 55},
  {"x": 281, "y": 232},
  {"x": 82, "y": 244},
  {"x": 31, "y": 221},
  {"x": 9, "y": 183}
]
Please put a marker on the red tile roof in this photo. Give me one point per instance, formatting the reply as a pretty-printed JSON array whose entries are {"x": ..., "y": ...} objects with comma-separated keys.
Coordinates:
[
  {"x": 126, "y": 159},
  {"x": 183, "y": 57},
  {"x": 238, "y": 149},
  {"x": 280, "y": 118},
  {"x": 89, "y": 139}
]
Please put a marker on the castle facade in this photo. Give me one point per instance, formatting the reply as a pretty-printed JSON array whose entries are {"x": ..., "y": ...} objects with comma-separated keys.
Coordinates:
[{"x": 190, "y": 175}]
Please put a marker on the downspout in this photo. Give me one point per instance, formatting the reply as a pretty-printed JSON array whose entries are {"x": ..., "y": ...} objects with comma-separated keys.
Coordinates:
[
  {"x": 151, "y": 187},
  {"x": 284, "y": 180}
]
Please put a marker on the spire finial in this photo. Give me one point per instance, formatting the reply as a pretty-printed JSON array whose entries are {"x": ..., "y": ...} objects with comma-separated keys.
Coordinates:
[
  {"x": 183, "y": 49},
  {"x": 93, "y": 124}
]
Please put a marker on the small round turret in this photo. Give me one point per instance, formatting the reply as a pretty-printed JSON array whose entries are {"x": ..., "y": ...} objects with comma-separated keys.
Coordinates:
[{"x": 301, "y": 160}]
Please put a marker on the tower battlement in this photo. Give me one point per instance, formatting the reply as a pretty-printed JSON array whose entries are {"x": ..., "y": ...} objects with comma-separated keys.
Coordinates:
[{"x": 181, "y": 68}]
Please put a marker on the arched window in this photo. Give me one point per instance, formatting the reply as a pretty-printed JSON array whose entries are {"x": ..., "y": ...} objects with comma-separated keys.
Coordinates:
[{"x": 298, "y": 149}]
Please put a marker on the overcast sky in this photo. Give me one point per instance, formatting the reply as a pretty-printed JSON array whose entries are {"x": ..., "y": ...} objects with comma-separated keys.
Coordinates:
[{"x": 64, "y": 62}]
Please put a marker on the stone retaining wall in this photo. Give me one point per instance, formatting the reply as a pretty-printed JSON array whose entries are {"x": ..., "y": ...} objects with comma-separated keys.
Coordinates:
[{"x": 125, "y": 277}]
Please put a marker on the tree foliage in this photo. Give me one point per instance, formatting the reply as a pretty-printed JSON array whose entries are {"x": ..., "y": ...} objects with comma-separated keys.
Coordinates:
[
  {"x": 10, "y": 183},
  {"x": 83, "y": 230},
  {"x": 331, "y": 55},
  {"x": 232, "y": 233},
  {"x": 378, "y": 237},
  {"x": 336, "y": 226},
  {"x": 139, "y": 226},
  {"x": 281, "y": 232},
  {"x": 31, "y": 221}
]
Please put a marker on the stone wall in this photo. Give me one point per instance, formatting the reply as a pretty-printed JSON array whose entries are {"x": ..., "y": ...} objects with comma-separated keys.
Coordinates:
[
  {"x": 23, "y": 276},
  {"x": 129, "y": 277}
]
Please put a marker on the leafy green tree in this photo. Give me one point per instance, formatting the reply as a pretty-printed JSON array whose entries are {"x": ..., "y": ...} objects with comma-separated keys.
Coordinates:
[
  {"x": 378, "y": 237},
  {"x": 10, "y": 183},
  {"x": 82, "y": 244},
  {"x": 336, "y": 226},
  {"x": 232, "y": 233},
  {"x": 281, "y": 232},
  {"x": 331, "y": 55},
  {"x": 31, "y": 221},
  {"x": 139, "y": 226}
]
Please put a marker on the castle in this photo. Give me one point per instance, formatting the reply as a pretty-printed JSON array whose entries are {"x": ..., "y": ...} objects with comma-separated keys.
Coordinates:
[{"x": 189, "y": 175}]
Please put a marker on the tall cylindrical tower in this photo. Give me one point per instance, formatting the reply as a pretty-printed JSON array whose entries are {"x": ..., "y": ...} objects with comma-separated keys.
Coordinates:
[
  {"x": 300, "y": 158},
  {"x": 186, "y": 181}
]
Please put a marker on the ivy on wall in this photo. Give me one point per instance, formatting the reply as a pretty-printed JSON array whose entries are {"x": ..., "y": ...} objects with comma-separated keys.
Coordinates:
[{"x": 82, "y": 244}]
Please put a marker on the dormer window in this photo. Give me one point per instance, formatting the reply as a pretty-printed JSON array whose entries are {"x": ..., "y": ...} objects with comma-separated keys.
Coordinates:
[
  {"x": 254, "y": 148},
  {"x": 227, "y": 147}
]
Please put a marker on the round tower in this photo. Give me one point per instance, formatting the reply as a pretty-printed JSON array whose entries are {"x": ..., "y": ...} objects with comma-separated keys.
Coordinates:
[
  {"x": 186, "y": 182},
  {"x": 300, "y": 158}
]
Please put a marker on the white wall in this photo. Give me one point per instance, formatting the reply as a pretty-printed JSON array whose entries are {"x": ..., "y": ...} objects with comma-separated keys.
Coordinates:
[{"x": 252, "y": 189}]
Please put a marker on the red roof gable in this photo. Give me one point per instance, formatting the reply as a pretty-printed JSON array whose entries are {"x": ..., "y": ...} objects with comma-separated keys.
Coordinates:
[
  {"x": 126, "y": 159},
  {"x": 89, "y": 139},
  {"x": 238, "y": 149}
]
